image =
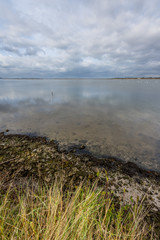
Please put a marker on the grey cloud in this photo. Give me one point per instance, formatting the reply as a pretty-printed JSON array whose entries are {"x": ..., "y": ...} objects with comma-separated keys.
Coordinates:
[
  {"x": 11, "y": 49},
  {"x": 91, "y": 37},
  {"x": 23, "y": 51},
  {"x": 33, "y": 51}
]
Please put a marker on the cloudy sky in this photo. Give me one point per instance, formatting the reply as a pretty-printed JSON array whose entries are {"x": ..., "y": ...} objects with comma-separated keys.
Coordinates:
[{"x": 79, "y": 38}]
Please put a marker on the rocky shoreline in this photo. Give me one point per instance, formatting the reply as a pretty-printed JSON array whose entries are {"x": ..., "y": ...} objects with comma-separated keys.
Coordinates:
[{"x": 23, "y": 157}]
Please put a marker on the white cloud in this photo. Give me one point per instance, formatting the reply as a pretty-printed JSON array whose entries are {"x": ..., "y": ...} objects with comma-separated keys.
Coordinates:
[{"x": 44, "y": 38}]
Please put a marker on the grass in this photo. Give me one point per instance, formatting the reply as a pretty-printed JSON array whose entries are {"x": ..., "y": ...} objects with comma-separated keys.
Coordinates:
[{"x": 85, "y": 212}]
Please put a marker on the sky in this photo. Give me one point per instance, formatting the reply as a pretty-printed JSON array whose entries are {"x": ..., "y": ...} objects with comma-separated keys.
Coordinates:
[{"x": 79, "y": 38}]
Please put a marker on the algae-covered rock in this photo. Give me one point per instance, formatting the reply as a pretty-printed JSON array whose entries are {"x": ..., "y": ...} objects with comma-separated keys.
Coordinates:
[{"x": 24, "y": 157}]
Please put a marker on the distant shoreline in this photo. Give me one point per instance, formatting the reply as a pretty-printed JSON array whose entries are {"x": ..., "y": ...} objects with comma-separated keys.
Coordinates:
[{"x": 140, "y": 78}]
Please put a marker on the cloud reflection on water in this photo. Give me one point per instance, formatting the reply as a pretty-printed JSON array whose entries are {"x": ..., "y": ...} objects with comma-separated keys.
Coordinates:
[{"x": 119, "y": 118}]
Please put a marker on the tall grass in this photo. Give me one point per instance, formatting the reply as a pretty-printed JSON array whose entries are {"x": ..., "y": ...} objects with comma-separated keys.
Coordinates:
[{"x": 85, "y": 213}]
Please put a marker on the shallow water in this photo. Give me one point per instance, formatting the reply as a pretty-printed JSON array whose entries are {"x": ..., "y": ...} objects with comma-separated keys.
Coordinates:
[{"x": 111, "y": 117}]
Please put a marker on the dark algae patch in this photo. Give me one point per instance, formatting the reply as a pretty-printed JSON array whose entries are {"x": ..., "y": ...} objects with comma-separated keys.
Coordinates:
[{"x": 25, "y": 158}]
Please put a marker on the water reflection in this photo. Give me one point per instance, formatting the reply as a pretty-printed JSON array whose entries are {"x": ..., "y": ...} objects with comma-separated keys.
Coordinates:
[{"x": 113, "y": 117}]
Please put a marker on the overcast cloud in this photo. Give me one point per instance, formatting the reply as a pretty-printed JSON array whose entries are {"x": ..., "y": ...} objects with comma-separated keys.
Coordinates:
[{"x": 79, "y": 38}]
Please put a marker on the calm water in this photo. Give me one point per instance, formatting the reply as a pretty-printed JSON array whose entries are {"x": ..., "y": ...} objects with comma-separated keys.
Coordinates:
[{"x": 112, "y": 117}]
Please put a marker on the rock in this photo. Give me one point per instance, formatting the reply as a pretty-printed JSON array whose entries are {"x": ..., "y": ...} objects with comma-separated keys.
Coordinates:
[{"x": 82, "y": 147}]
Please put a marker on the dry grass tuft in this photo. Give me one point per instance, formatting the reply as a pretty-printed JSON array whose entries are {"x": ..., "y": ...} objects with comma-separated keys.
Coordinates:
[{"x": 86, "y": 213}]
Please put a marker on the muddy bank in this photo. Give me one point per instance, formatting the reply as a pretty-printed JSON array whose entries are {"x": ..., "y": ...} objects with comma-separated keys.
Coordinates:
[{"x": 23, "y": 157}]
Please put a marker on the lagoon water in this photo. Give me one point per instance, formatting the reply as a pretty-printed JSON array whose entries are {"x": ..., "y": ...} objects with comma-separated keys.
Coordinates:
[{"x": 113, "y": 117}]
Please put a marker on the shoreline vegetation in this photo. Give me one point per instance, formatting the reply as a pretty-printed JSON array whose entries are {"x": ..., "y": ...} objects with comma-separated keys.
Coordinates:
[{"x": 49, "y": 193}]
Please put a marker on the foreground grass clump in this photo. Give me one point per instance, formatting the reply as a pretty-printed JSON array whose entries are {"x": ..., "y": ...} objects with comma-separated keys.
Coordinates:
[{"x": 87, "y": 212}]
